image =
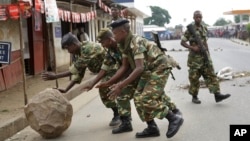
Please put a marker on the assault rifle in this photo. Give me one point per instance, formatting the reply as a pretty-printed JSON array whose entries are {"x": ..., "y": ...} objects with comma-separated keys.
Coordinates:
[
  {"x": 157, "y": 41},
  {"x": 203, "y": 50},
  {"x": 172, "y": 61}
]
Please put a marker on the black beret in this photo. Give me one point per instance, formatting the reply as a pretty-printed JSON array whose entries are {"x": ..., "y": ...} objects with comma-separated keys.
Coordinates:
[
  {"x": 118, "y": 23},
  {"x": 68, "y": 39}
]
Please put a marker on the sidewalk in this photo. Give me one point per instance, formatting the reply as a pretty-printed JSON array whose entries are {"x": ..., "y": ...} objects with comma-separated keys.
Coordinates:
[
  {"x": 241, "y": 42},
  {"x": 12, "y": 118}
]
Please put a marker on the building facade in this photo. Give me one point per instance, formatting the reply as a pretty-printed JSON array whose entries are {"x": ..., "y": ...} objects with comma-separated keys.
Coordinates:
[
  {"x": 36, "y": 44},
  {"x": 136, "y": 12}
]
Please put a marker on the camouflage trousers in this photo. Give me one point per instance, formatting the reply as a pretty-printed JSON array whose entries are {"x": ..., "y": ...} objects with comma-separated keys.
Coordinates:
[
  {"x": 150, "y": 99},
  {"x": 123, "y": 100},
  {"x": 198, "y": 68},
  {"x": 104, "y": 91}
]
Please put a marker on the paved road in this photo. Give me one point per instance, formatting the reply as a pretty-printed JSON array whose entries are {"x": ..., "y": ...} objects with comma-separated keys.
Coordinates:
[
  {"x": 208, "y": 121},
  {"x": 223, "y": 52}
]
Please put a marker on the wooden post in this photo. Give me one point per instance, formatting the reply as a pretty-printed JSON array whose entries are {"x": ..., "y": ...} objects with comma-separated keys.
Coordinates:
[
  {"x": 70, "y": 24},
  {"x": 54, "y": 49},
  {"x": 71, "y": 29},
  {"x": 22, "y": 58}
]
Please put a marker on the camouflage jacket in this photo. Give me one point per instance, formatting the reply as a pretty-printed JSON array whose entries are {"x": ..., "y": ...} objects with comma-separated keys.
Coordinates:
[
  {"x": 196, "y": 60},
  {"x": 201, "y": 32},
  {"x": 91, "y": 56},
  {"x": 137, "y": 47},
  {"x": 113, "y": 60}
]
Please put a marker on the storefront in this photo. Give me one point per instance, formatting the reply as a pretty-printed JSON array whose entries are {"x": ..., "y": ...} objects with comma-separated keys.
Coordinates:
[
  {"x": 35, "y": 38},
  {"x": 18, "y": 28}
]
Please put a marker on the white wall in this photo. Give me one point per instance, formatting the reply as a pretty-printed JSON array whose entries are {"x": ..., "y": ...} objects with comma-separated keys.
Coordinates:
[
  {"x": 62, "y": 56},
  {"x": 9, "y": 32}
]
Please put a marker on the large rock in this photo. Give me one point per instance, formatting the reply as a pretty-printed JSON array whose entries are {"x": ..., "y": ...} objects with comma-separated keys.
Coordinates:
[{"x": 49, "y": 113}]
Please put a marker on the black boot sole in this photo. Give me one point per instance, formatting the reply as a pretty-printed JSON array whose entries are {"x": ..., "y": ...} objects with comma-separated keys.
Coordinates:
[
  {"x": 123, "y": 131},
  {"x": 171, "y": 135},
  {"x": 196, "y": 101},
  {"x": 221, "y": 99},
  {"x": 147, "y": 136}
]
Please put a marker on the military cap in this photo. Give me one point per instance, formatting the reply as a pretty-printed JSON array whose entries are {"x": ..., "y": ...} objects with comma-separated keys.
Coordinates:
[
  {"x": 118, "y": 23},
  {"x": 116, "y": 6},
  {"x": 68, "y": 39},
  {"x": 103, "y": 33}
]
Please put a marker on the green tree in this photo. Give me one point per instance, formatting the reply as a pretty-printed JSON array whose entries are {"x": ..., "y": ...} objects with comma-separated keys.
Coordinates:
[
  {"x": 221, "y": 22},
  {"x": 159, "y": 17},
  {"x": 244, "y": 18}
]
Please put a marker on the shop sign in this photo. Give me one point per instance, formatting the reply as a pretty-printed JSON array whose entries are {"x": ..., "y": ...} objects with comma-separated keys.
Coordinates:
[{"x": 5, "y": 52}]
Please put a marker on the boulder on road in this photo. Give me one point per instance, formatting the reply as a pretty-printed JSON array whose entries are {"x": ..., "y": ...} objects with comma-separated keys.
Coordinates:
[{"x": 49, "y": 113}]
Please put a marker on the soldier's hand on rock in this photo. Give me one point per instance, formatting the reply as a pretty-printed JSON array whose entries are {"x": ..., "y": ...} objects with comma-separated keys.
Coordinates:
[{"x": 48, "y": 76}]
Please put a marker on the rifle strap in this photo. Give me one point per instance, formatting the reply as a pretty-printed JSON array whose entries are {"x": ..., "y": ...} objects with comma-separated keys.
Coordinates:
[
  {"x": 171, "y": 73},
  {"x": 131, "y": 60},
  {"x": 128, "y": 51}
]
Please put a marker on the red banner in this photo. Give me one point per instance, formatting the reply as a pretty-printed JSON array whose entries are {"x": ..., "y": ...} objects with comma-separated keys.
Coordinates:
[
  {"x": 61, "y": 15},
  {"x": 25, "y": 8},
  {"x": 38, "y": 5},
  {"x": 13, "y": 11},
  {"x": 83, "y": 17}
]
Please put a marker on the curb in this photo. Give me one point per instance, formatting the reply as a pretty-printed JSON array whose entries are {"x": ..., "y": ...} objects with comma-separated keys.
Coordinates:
[
  {"x": 241, "y": 42},
  {"x": 12, "y": 127},
  {"x": 17, "y": 124}
]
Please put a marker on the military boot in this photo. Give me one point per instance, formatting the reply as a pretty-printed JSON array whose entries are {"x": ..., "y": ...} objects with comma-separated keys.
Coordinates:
[
  {"x": 219, "y": 97},
  {"x": 116, "y": 119},
  {"x": 196, "y": 100},
  {"x": 151, "y": 131},
  {"x": 177, "y": 111},
  {"x": 125, "y": 126},
  {"x": 175, "y": 122}
]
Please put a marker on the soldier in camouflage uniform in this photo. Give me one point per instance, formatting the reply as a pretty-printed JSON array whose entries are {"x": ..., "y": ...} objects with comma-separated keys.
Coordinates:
[
  {"x": 112, "y": 62},
  {"x": 86, "y": 54},
  {"x": 115, "y": 12},
  {"x": 197, "y": 65},
  {"x": 149, "y": 65}
]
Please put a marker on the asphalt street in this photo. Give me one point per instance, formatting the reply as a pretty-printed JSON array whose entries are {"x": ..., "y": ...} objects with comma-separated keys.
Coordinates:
[{"x": 208, "y": 121}]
